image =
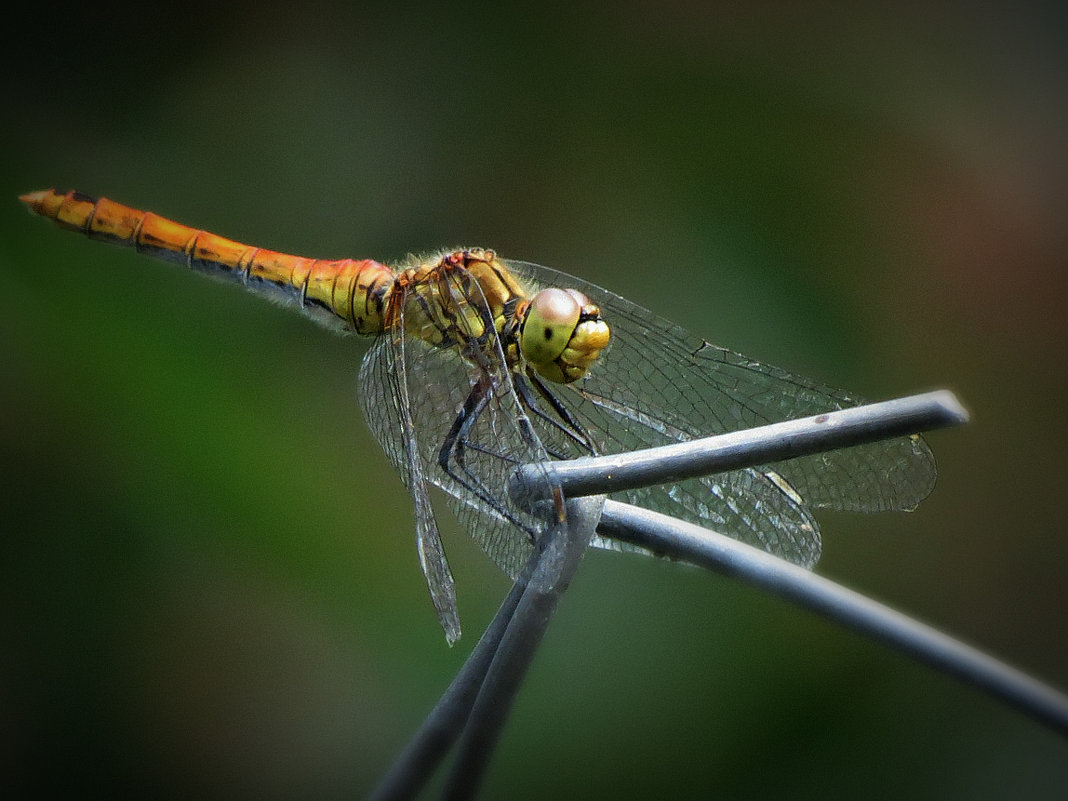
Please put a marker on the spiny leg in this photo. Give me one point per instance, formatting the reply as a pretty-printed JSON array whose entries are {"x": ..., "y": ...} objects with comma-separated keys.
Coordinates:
[
  {"x": 482, "y": 349},
  {"x": 451, "y": 457},
  {"x": 564, "y": 421}
]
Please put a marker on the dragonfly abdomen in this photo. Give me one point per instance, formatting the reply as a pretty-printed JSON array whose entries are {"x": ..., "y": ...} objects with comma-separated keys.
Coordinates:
[{"x": 351, "y": 292}]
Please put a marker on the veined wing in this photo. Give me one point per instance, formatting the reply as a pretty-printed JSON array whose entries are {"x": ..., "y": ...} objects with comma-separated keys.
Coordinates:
[{"x": 658, "y": 384}]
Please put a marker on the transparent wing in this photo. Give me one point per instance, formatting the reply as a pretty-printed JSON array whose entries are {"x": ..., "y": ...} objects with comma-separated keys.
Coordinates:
[
  {"x": 385, "y": 398},
  {"x": 658, "y": 384}
]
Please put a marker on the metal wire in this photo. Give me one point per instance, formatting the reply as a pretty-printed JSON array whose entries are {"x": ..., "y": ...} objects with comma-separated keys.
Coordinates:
[
  {"x": 740, "y": 449},
  {"x": 700, "y": 546}
]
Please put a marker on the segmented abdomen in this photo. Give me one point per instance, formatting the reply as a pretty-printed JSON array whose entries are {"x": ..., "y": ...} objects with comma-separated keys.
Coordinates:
[{"x": 353, "y": 292}]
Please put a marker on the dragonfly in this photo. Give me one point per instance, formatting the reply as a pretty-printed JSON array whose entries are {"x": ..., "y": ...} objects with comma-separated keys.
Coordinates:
[{"x": 481, "y": 364}]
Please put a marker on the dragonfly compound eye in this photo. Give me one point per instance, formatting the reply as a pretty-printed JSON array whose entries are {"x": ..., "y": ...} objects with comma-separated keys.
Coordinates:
[{"x": 562, "y": 334}]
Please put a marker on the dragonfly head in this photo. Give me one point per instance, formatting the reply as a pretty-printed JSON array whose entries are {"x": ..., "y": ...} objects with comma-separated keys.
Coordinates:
[{"x": 562, "y": 334}]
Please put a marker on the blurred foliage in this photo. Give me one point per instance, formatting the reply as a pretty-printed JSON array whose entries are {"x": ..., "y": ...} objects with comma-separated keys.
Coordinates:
[{"x": 209, "y": 586}]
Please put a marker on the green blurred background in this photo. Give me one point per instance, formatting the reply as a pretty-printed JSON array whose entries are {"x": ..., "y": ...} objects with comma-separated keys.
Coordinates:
[{"x": 208, "y": 585}]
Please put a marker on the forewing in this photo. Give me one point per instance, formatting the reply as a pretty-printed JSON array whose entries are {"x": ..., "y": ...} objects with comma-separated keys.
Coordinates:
[
  {"x": 385, "y": 397},
  {"x": 658, "y": 384}
]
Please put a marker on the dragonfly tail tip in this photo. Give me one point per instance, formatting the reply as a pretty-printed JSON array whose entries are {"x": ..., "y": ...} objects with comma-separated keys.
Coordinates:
[{"x": 33, "y": 199}]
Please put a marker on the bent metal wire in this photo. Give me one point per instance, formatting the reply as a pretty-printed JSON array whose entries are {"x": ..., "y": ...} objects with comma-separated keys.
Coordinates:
[{"x": 482, "y": 364}]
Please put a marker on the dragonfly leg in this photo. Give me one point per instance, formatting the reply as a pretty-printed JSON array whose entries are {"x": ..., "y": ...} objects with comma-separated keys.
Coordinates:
[
  {"x": 564, "y": 421},
  {"x": 452, "y": 457},
  {"x": 495, "y": 384}
]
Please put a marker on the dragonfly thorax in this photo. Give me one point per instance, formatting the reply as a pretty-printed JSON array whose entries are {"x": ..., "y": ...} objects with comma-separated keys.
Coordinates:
[{"x": 455, "y": 299}]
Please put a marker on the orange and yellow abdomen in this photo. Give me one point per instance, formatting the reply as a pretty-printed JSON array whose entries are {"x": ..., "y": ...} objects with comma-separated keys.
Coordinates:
[{"x": 353, "y": 293}]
